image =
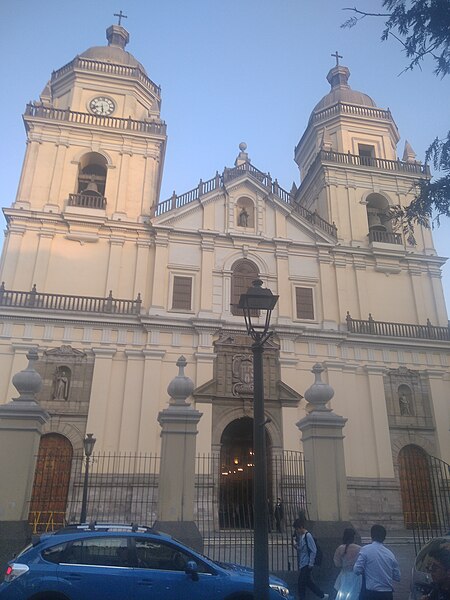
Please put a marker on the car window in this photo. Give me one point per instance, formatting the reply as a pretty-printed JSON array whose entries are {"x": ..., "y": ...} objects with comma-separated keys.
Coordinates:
[
  {"x": 423, "y": 560},
  {"x": 54, "y": 553},
  {"x": 108, "y": 551},
  {"x": 153, "y": 554}
]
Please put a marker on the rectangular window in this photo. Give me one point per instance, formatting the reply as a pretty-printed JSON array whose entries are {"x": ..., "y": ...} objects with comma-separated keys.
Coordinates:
[
  {"x": 182, "y": 293},
  {"x": 305, "y": 304},
  {"x": 366, "y": 153}
]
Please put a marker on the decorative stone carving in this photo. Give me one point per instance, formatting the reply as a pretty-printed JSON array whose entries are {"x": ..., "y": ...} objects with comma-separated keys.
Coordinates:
[
  {"x": 242, "y": 374},
  {"x": 61, "y": 383},
  {"x": 319, "y": 393}
]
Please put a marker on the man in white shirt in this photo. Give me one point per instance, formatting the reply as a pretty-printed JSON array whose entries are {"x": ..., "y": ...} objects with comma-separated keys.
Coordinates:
[{"x": 379, "y": 567}]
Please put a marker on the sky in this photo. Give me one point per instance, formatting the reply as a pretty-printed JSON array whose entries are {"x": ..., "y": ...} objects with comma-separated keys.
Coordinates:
[{"x": 231, "y": 71}]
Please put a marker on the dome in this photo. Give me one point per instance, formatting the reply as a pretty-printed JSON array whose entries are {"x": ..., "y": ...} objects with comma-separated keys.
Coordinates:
[
  {"x": 341, "y": 91},
  {"x": 114, "y": 52}
]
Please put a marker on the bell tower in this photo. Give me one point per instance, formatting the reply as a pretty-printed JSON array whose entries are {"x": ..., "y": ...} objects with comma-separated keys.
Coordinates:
[
  {"x": 92, "y": 173},
  {"x": 350, "y": 171}
]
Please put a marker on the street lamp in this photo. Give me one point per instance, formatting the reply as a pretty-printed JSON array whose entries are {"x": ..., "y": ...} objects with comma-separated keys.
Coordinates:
[
  {"x": 88, "y": 443},
  {"x": 257, "y": 305}
]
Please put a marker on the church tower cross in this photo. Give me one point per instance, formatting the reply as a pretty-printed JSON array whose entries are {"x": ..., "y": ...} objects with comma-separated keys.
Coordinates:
[
  {"x": 122, "y": 16},
  {"x": 337, "y": 56}
]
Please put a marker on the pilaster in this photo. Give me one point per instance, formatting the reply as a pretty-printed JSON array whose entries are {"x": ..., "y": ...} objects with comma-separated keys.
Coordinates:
[{"x": 100, "y": 391}]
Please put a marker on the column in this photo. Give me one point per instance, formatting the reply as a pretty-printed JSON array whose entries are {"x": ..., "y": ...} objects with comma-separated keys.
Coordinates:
[
  {"x": 322, "y": 437},
  {"x": 98, "y": 405},
  {"x": 177, "y": 473},
  {"x": 379, "y": 422},
  {"x": 160, "y": 275},
  {"x": 439, "y": 386},
  {"x": 11, "y": 253},
  {"x": 54, "y": 196},
  {"x": 21, "y": 423},
  {"x": 284, "y": 304},
  {"x": 132, "y": 402},
  {"x": 42, "y": 259},
  {"x": 141, "y": 271},
  {"x": 330, "y": 314},
  {"x": 206, "y": 280},
  {"x": 27, "y": 176},
  {"x": 150, "y": 399},
  {"x": 122, "y": 188},
  {"x": 114, "y": 263}
]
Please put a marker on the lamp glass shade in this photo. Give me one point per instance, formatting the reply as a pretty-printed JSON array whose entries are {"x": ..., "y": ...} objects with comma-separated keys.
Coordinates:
[{"x": 89, "y": 443}]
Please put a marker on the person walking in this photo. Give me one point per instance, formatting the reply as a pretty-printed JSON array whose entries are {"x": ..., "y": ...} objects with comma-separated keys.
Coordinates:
[
  {"x": 306, "y": 548},
  {"x": 440, "y": 574},
  {"x": 379, "y": 567},
  {"x": 348, "y": 584}
]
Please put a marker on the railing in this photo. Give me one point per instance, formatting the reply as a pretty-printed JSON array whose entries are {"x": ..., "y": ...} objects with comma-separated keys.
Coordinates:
[
  {"x": 265, "y": 179},
  {"x": 385, "y": 237},
  {"x": 404, "y": 330},
  {"x": 368, "y": 161},
  {"x": 35, "y": 109},
  {"x": 109, "y": 68},
  {"x": 87, "y": 201},
  {"x": 38, "y": 300}
]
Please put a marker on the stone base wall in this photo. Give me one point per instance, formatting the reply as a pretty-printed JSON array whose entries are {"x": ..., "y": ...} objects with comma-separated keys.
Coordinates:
[{"x": 375, "y": 501}]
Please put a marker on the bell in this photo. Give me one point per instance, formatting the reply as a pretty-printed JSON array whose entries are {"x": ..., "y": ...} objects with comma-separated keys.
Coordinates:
[
  {"x": 92, "y": 189},
  {"x": 375, "y": 221}
]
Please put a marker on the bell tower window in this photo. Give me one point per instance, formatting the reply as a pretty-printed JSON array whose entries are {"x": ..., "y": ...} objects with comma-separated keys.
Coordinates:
[
  {"x": 91, "y": 182},
  {"x": 366, "y": 154}
]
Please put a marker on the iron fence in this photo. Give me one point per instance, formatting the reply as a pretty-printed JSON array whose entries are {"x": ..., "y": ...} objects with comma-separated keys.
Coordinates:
[{"x": 123, "y": 488}]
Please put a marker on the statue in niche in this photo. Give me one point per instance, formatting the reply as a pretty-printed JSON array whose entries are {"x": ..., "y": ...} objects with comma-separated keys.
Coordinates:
[
  {"x": 243, "y": 218},
  {"x": 61, "y": 382},
  {"x": 405, "y": 405}
]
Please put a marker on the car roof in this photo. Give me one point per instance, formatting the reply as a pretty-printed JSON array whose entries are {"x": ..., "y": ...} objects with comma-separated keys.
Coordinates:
[{"x": 77, "y": 531}]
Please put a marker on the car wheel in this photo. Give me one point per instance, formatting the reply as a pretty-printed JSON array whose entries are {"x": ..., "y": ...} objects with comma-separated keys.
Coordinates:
[{"x": 49, "y": 596}]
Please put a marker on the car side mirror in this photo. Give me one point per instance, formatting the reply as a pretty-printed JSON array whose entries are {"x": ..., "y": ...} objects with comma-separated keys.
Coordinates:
[{"x": 192, "y": 569}]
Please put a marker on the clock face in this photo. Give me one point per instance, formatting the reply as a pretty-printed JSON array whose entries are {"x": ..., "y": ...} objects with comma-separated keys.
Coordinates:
[{"x": 102, "y": 106}]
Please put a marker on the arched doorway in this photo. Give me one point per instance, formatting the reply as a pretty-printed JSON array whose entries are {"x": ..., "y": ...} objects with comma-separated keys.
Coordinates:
[
  {"x": 416, "y": 488},
  {"x": 236, "y": 474},
  {"x": 51, "y": 483}
]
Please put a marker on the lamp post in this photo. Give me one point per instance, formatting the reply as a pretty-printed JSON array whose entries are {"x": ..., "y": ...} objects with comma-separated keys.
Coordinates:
[
  {"x": 257, "y": 305},
  {"x": 88, "y": 443}
]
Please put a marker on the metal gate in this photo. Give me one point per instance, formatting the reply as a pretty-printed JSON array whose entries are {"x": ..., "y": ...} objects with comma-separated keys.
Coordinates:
[
  {"x": 224, "y": 510},
  {"x": 425, "y": 491}
]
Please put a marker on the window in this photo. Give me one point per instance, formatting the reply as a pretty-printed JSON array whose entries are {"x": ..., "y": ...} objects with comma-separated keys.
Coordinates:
[
  {"x": 182, "y": 293},
  {"x": 367, "y": 154},
  {"x": 152, "y": 554},
  {"x": 304, "y": 302},
  {"x": 110, "y": 552},
  {"x": 54, "y": 553},
  {"x": 244, "y": 273},
  {"x": 92, "y": 175}
]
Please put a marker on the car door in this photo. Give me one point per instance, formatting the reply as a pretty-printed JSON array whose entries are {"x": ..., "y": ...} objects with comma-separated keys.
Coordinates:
[
  {"x": 95, "y": 564},
  {"x": 160, "y": 573}
]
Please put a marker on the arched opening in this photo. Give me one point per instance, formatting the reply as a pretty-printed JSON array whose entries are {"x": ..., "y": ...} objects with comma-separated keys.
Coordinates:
[
  {"x": 416, "y": 488},
  {"x": 92, "y": 175},
  {"x": 242, "y": 277},
  {"x": 236, "y": 474},
  {"x": 51, "y": 483},
  {"x": 378, "y": 214}
]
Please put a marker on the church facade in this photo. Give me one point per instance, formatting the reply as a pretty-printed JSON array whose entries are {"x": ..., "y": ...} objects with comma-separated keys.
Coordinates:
[{"x": 112, "y": 285}]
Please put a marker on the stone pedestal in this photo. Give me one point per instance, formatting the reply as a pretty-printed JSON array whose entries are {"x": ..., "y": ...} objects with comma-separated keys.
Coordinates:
[
  {"x": 177, "y": 473},
  {"x": 323, "y": 447},
  {"x": 21, "y": 422},
  {"x": 326, "y": 480}
]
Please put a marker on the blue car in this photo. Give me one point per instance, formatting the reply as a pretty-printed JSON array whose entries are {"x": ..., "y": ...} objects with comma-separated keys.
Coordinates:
[{"x": 118, "y": 562}]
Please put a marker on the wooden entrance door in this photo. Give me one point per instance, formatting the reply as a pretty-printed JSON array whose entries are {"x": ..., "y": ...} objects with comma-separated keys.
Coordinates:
[
  {"x": 51, "y": 483},
  {"x": 416, "y": 488}
]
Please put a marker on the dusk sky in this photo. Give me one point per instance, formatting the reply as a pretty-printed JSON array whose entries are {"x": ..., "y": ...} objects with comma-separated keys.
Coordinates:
[{"x": 230, "y": 71}]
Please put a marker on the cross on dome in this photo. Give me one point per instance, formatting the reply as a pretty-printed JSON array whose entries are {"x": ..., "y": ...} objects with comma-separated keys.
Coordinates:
[
  {"x": 122, "y": 16},
  {"x": 337, "y": 56}
]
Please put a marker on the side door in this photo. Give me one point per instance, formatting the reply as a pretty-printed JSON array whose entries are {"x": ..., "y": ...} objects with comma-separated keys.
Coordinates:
[
  {"x": 160, "y": 573},
  {"x": 96, "y": 563}
]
